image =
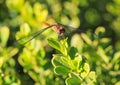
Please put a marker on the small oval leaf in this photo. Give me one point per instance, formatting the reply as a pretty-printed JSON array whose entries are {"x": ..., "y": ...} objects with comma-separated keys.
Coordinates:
[
  {"x": 73, "y": 81},
  {"x": 61, "y": 70},
  {"x": 54, "y": 43}
]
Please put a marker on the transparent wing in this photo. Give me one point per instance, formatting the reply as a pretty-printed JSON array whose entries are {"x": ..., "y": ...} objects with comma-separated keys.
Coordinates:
[
  {"x": 28, "y": 38},
  {"x": 70, "y": 29}
]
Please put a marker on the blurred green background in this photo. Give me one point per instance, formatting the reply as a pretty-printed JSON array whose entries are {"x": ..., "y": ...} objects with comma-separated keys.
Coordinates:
[{"x": 32, "y": 64}]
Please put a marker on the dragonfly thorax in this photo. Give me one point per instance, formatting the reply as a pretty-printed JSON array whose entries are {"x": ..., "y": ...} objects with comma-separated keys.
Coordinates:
[{"x": 59, "y": 29}]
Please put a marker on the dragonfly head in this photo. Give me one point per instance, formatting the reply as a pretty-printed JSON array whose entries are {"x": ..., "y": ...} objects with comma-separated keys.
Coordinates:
[{"x": 61, "y": 31}]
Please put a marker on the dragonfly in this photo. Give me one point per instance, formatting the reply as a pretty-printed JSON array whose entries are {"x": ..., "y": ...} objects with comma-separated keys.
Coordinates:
[{"x": 57, "y": 27}]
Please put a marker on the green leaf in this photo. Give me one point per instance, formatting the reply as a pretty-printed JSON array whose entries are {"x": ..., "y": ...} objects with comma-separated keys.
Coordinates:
[
  {"x": 4, "y": 35},
  {"x": 54, "y": 43},
  {"x": 23, "y": 34},
  {"x": 27, "y": 60},
  {"x": 72, "y": 52},
  {"x": 76, "y": 62},
  {"x": 86, "y": 39},
  {"x": 7, "y": 55},
  {"x": 15, "y": 4},
  {"x": 91, "y": 78},
  {"x": 77, "y": 42},
  {"x": 102, "y": 54},
  {"x": 61, "y": 70},
  {"x": 117, "y": 83},
  {"x": 59, "y": 60},
  {"x": 85, "y": 69},
  {"x": 116, "y": 57},
  {"x": 100, "y": 31},
  {"x": 74, "y": 80},
  {"x": 64, "y": 47},
  {"x": 40, "y": 12}
]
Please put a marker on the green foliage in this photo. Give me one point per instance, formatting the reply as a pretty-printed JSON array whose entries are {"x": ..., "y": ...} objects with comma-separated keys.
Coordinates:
[
  {"x": 32, "y": 58},
  {"x": 31, "y": 63},
  {"x": 7, "y": 75},
  {"x": 74, "y": 66},
  {"x": 100, "y": 55}
]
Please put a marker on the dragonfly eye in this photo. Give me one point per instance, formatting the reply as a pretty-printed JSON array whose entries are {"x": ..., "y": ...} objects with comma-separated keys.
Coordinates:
[{"x": 62, "y": 31}]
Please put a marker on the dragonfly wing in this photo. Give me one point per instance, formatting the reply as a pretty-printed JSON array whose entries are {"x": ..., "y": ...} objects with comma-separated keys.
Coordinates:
[
  {"x": 70, "y": 29},
  {"x": 28, "y": 38}
]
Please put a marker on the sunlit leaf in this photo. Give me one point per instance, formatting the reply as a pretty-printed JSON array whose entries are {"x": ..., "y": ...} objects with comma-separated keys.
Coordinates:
[
  {"x": 77, "y": 62},
  {"x": 72, "y": 52},
  {"x": 4, "y": 35},
  {"x": 40, "y": 12},
  {"x": 116, "y": 57},
  {"x": 86, "y": 39},
  {"x": 61, "y": 70},
  {"x": 91, "y": 78},
  {"x": 64, "y": 47},
  {"x": 100, "y": 31},
  {"x": 105, "y": 40},
  {"x": 85, "y": 69},
  {"x": 117, "y": 83},
  {"x": 27, "y": 60},
  {"x": 15, "y": 4},
  {"x": 27, "y": 10},
  {"x": 59, "y": 60},
  {"x": 23, "y": 34},
  {"x": 102, "y": 54},
  {"x": 24, "y": 31},
  {"x": 77, "y": 42},
  {"x": 54, "y": 43},
  {"x": 74, "y": 80}
]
